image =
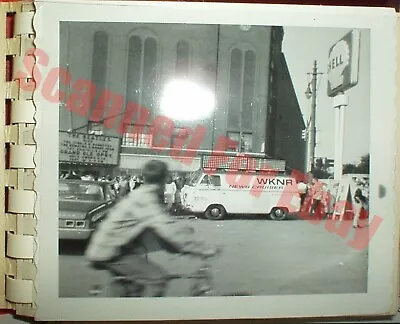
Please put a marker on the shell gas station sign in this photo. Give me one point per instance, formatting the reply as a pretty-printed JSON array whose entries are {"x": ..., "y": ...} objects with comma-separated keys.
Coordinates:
[{"x": 343, "y": 63}]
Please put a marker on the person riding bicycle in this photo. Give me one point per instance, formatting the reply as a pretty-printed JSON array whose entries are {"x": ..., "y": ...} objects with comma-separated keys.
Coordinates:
[{"x": 136, "y": 224}]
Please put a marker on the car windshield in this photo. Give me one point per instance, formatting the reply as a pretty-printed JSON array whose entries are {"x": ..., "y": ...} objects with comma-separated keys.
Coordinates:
[
  {"x": 194, "y": 178},
  {"x": 80, "y": 191}
]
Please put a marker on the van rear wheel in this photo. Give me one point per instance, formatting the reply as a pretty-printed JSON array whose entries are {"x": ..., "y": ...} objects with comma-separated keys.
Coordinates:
[
  {"x": 215, "y": 212},
  {"x": 278, "y": 214}
]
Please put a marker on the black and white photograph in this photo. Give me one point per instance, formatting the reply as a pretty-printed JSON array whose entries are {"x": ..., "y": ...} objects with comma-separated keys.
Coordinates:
[
  {"x": 207, "y": 158},
  {"x": 188, "y": 85}
]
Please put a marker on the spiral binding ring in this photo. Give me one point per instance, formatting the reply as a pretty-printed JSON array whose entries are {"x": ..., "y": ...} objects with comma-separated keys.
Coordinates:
[{"x": 18, "y": 183}]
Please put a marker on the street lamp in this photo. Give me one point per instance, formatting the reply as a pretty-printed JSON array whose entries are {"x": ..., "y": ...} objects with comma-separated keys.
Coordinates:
[{"x": 308, "y": 92}]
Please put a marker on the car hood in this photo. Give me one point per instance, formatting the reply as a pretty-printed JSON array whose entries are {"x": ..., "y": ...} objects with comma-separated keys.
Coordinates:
[
  {"x": 187, "y": 188},
  {"x": 76, "y": 209}
]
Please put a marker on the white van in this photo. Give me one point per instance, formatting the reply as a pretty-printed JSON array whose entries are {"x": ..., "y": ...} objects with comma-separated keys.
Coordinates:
[{"x": 220, "y": 193}]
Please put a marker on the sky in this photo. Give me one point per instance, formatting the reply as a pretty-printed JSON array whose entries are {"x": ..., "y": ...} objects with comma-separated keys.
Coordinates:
[{"x": 301, "y": 46}]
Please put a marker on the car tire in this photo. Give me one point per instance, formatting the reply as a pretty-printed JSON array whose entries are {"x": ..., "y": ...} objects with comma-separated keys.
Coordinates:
[
  {"x": 215, "y": 212},
  {"x": 278, "y": 214}
]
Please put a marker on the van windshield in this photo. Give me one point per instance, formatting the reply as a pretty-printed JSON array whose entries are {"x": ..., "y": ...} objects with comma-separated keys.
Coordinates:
[{"x": 194, "y": 178}]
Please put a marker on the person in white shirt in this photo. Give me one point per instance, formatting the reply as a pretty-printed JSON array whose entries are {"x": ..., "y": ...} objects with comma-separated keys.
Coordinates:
[
  {"x": 116, "y": 184},
  {"x": 135, "y": 182},
  {"x": 170, "y": 191},
  {"x": 302, "y": 187}
]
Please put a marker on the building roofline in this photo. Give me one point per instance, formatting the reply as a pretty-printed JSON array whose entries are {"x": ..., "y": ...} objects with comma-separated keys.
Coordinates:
[{"x": 282, "y": 58}]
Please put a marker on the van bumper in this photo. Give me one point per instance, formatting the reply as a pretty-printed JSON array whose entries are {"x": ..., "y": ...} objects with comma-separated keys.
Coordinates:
[{"x": 74, "y": 234}]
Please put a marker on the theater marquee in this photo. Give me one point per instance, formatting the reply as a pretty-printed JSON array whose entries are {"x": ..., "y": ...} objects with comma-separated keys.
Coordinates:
[{"x": 88, "y": 149}]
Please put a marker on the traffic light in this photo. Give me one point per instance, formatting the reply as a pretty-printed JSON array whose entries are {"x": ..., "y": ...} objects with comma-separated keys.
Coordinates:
[
  {"x": 329, "y": 163},
  {"x": 318, "y": 163}
]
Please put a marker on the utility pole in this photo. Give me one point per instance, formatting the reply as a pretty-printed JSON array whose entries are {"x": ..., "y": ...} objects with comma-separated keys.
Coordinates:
[{"x": 312, "y": 132}]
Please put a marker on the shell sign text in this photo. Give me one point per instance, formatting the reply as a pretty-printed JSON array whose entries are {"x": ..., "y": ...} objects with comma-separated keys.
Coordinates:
[{"x": 343, "y": 63}]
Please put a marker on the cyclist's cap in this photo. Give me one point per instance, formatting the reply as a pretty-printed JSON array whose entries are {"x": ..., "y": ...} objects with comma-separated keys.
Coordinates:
[{"x": 155, "y": 171}]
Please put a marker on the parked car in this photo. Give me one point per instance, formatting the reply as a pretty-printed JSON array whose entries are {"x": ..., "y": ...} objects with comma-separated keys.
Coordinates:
[{"x": 76, "y": 198}]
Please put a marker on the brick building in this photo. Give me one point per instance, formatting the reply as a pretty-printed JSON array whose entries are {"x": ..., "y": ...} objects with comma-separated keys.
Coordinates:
[{"x": 243, "y": 67}]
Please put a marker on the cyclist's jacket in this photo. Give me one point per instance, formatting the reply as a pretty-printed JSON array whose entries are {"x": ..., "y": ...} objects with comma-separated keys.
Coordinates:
[{"x": 139, "y": 220}]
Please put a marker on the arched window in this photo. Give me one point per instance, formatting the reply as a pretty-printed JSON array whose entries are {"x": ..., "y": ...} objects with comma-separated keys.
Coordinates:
[
  {"x": 248, "y": 90},
  {"x": 142, "y": 71},
  {"x": 142, "y": 86},
  {"x": 99, "y": 68},
  {"x": 235, "y": 86},
  {"x": 182, "y": 58},
  {"x": 100, "y": 54},
  {"x": 149, "y": 73},
  {"x": 242, "y": 84}
]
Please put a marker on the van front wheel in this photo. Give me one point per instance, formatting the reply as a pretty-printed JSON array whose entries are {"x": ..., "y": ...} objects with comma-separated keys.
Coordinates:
[
  {"x": 278, "y": 214},
  {"x": 215, "y": 212}
]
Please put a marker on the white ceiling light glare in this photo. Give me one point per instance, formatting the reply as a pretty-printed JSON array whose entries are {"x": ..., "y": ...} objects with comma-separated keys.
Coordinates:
[{"x": 186, "y": 100}]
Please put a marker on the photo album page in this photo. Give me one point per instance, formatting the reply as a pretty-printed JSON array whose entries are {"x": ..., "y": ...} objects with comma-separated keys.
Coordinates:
[{"x": 208, "y": 160}]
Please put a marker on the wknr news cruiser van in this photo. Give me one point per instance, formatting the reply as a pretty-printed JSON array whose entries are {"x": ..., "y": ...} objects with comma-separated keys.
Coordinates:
[{"x": 241, "y": 184}]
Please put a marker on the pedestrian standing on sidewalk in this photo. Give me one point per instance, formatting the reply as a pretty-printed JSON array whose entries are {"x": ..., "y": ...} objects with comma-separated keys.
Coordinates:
[
  {"x": 170, "y": 191},
  {"x": 179, "y": 183},
  {"x": 307, "y": 199},
  {"x": 124, "y": 187},
  {"x": 116, "y": 184},
  {"x": 135, "y": 182},
  {"x": 316, "y": 191},
  {"x": 302, "y": 187},
  {"x": 360, "y": 203}
]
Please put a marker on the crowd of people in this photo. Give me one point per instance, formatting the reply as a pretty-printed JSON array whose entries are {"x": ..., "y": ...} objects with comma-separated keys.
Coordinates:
[
  {"x": 121, "y": 185},
  {"x": 318, "y": 201},
  {"x": 316, "y": 198}
]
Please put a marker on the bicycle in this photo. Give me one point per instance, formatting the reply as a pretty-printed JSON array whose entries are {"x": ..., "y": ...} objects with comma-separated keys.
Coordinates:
[{"x": 202, "y": 285}]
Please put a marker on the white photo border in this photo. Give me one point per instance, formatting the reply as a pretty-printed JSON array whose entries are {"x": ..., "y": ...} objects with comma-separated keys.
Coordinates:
[{"x": 383, "y": 250}]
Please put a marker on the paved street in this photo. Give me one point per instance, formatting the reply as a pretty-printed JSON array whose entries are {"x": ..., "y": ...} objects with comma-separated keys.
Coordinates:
[{"x": 261, "y": 257}]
